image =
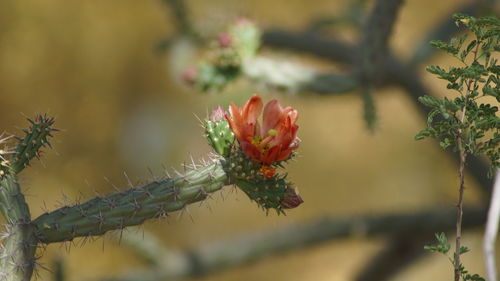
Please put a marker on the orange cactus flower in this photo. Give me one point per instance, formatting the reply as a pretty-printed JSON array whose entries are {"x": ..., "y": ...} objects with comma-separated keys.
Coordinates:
[{"x": 272, "y": 142}]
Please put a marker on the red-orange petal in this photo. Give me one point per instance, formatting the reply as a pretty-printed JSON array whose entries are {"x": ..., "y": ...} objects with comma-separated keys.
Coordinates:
[
  {"x": 252, "y": 109},
  {"x": 273, "y": 114}
]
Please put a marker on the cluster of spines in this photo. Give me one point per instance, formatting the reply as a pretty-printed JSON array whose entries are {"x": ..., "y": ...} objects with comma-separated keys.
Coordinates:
[
  {"x": 29, "y": 147},
  {"x": 5, "y": 151},
  {"x": 268, "y": 193}
]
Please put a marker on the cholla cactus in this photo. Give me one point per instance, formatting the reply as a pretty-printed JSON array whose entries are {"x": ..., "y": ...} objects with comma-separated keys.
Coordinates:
[
  {"x": 229, "y": 52},
  {"x": 234, "y": 54},
  {"x": 36, "y": 137},
  {"x": 259, "y": 151},
  {"x": 4, "y": 155},
  {"x": 246, "y": 156},
  {"x": 218, "y": 133}
]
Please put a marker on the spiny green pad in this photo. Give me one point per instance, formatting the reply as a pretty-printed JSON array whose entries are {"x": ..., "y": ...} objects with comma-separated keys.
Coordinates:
[
  {"x": 239, "y": 166},
  {"x": 245, "y": 173},
  {"x": 219, "y": 136},
  {"x": 268, "y": 193},
  {"x": 36, "y": 137}
]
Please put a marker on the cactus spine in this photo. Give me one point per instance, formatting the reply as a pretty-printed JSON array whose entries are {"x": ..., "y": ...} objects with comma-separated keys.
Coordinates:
[
  {"x": 35, "y": 138},
  {"x": 132, "y": 206}
]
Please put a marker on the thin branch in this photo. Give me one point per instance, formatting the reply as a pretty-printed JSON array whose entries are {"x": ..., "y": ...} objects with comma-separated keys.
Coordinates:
[
  {"x": 217, "y": 256},
  {"x": 463, "y": 155}
]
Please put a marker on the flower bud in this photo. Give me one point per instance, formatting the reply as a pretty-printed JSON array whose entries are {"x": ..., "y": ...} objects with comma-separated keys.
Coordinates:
[
  {"x": 291, "y": 198},
  {"x": 218, "y": 114},
  {"x": 218, "y": 133}
]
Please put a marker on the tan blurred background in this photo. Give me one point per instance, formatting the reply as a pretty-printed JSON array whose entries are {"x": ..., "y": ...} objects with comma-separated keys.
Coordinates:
[{"x": 92, "y": 64}]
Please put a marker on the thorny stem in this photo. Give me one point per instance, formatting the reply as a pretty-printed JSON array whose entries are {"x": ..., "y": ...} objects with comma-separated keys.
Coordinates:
[
  {"x": 17, "y": 258},
  {"x": 132, "y": 206}
]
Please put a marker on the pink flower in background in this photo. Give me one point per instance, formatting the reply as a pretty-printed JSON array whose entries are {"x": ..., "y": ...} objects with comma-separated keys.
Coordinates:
[
  {"x": 224, "y": 39},
  {"x": 190, "y": 75}
]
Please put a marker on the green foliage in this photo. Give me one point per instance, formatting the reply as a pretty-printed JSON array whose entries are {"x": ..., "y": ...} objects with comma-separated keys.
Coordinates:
[
  {"x": 465, "y": 116},
  {"x": 442, "y": 246},
  {"x": 464, "y": 122}
]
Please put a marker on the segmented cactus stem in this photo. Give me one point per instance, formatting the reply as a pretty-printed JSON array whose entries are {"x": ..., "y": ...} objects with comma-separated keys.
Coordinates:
[
  {"x": 132, "y": 206},
  {"x": 17, "y": 258},
  {"x": 36, "y": 137}
]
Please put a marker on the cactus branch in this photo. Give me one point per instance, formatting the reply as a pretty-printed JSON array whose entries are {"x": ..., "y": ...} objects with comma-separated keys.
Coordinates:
[
  {"x": 18, "y": 253},
  {"x": 35, "y": 138},
  {"x": 374, "y": 47},
  {"x": 132, "y": 206}
]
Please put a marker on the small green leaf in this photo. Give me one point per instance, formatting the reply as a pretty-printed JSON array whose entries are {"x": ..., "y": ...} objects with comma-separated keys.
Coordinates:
[{"x": 464, "y": 250}]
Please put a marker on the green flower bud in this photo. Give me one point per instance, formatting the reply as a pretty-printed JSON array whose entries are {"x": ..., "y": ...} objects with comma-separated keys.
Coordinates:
[{"x": 218, "y": 132}]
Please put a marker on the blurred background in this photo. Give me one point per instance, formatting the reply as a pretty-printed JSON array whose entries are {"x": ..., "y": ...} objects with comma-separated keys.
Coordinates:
[{"x": 97, "y": 67}]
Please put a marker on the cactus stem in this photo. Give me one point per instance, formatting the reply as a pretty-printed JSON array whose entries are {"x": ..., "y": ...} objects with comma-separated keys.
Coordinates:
[
  {"x": 132, "y": 206},
  {"x": 17, "y": 258}
]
